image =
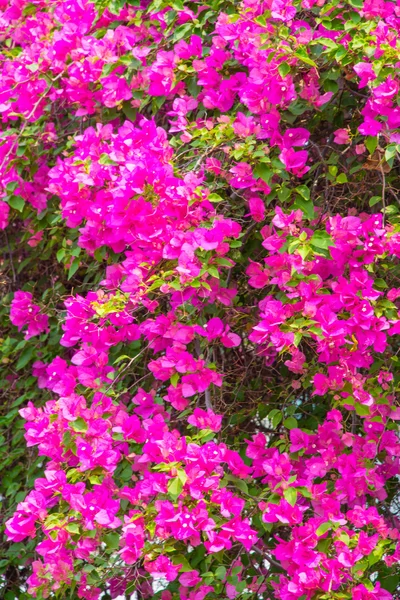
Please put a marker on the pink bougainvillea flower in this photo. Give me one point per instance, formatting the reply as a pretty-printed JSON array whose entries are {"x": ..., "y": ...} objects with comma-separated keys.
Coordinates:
[
  {"x": 4, "y": 212},
  {"x": 342, "y": 136},
  {"x": 370, "y": 127},
  {"x": 295, "y": 161},
  {"x": 366, "y": 73},
  {"x": 242, "y": 176},
  {"x": 257, "y": 209},
  {"x": 163, "y": 567},
  {"x": 23, "y": 312},
  {"x": 205, "y": 419}
]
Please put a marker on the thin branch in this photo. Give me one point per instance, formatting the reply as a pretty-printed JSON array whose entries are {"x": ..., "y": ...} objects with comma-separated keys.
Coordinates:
[{"x": 11, "y": 258}]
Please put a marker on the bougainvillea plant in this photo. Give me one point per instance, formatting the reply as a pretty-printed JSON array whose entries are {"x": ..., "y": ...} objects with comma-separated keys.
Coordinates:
[{"x": 200, "y": 285}]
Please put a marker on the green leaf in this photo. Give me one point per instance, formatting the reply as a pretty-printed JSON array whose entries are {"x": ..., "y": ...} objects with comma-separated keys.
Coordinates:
[
  {"x": 341, "y": 54},
  {"x": 390, "y": 153},
  {"x": 122, "y": 357},
  {"x": 175, "y": 487},
  {"x": 182, "y": 476},
  {"x": 239, "y": 483},
  {"x": 371, "y": 143},
  {"x": 342, "y": 178},
  {"x": 129, "y": 111},
  {"x": 95, "y": 479},
  {"x": 214, "y": 198},
  {"x": 375, "y": 555},
  {"x": 241, "y": 586},
  {"x": 293, "y": 246},
  {"x": 390, "y": 583},
  {"x": 290, "y": 423},
  {"x": 304, "y": 492},
  {"x": 220, "y": 573},
  {"x": 112, "y": 540},
  {"x": 290, "y": 495},
  {"x": 182, "y": 31},
  {"x": 343, "y": 537},
  {"x": 380, "y": 284},
  {"x": 106, "y": 160},
  {"x": 284, "y": 69},
  {"x": 283, "y": 194},
  {"x": 331, "y": 86},
  {"x": 263, "y": 172},
  {"x": 73, "y": 268},
  {"x": 17, "y": 202},
  {"x": 180, "y": 559},
  {"x": 73, "y": 528},
  {"x": 12, "y": 186},
  {"x": 276, "y": 419},
  {"x": 333, "y": 170},
  {"x": 306, "y": 206},
  {"x": 303, "y": 56},
  {"x": 174, "y": 379},
  {"x": 323, "y": 528},
  {"x": 374, "y": 200},
  {"x": 303, "y": 191},
  {"x": 115, "y": 6},
  {"x": 224, "y": 262},
  {"x": 213, "y": 271},
  {"x": 79, "y": 425},
  {"x": 60, "y": 254},
  {"x": 362, "y": 410},
  {"x": 304, "y": 251},
  {"x": 321, "y": 239},
  {"x": 297, "y": 339},
  {"x": 24, "y": 358},
  {"x": 391, "y": 210},
  {"x": 330, "y": 44}
]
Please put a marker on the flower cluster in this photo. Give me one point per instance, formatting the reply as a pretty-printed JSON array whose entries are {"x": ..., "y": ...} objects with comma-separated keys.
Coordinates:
[
  {"x": 215, "y": 401},
  {"x": 25, "y": 312}
]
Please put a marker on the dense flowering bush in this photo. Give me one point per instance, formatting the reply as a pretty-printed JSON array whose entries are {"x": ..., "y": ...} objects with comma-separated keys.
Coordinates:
[{"x": 200, "y": 308}]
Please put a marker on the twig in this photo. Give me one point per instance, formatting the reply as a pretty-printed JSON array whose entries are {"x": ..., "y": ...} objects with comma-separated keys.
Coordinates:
[
  {"x": 268, "y": 558},
  {"x": 383, "y": 192},
  {"x": 353, "y": 422},
  {"x": 11, "y": 258},
  {"x": 209, "y": 405},
  {"x": 26, "y": 120}
]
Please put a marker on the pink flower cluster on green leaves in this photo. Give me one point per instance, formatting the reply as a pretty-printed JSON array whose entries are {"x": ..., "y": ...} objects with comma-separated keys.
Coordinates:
[{"x": 311, "y": 501}]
